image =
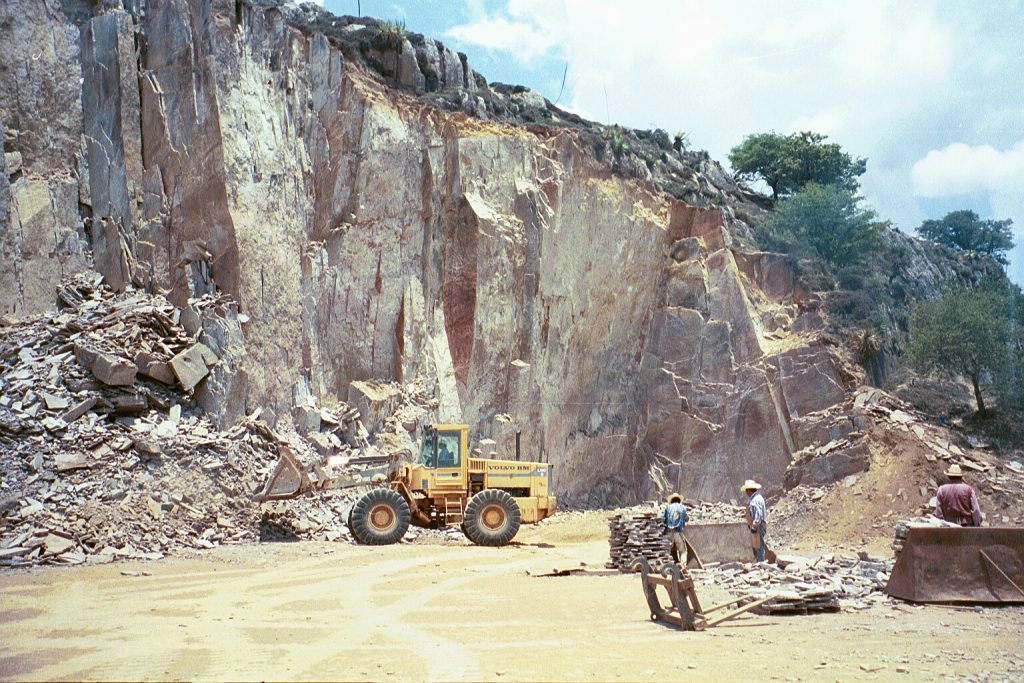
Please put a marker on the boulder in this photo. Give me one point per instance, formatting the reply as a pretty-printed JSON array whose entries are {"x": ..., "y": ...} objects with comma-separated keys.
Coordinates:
[
  {"x": 190, "y": 366},
  {"x": 820, "y": 470},
  {"x": 374, "y": 400},
  {"x": 150, "y": 366},
  {"x": 307, "y": 419},
  {"x": 109, "y": 369}
]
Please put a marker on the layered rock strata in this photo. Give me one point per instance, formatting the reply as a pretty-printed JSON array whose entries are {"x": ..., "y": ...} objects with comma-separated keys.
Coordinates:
[{"x": 633, "y": 339}]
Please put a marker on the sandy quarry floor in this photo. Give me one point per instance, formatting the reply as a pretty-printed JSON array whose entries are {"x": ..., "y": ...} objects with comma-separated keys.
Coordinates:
[{"x": 450, "y": 612}]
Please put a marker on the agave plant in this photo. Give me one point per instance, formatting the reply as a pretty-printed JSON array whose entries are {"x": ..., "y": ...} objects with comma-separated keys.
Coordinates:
[{"x": 866, "y": 344}]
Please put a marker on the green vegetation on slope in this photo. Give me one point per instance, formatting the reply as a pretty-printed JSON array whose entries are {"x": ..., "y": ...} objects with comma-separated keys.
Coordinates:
[
  {"x": 963, "y": 230},
  {"x": 787, "y": 163},
  {"x": 972, "y": 332}
]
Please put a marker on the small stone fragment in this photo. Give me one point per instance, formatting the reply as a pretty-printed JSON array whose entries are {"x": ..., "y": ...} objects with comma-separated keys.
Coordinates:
[
  {"x": 79, "y": 409},
  {"x": 74, "y": 460},
  {"x": 55, "y": 402}
]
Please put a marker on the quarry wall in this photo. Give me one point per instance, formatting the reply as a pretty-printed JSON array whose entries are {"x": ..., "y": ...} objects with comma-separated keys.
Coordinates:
[{"x": 186, "y": 146}]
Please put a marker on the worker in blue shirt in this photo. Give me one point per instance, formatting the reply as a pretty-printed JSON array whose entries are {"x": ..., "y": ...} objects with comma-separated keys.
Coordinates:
[{"x": 676, "y": 517}]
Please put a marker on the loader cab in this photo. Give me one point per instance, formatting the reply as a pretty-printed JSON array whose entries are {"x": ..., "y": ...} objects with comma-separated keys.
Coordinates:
[
  {"x": 443, "y": 457},
  {"x": 441, "y": 449}
]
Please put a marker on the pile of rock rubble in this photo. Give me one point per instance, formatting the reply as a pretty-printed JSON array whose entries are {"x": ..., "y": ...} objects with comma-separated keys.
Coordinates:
[
  {"x": 802, "y": 584},
  {"x": 997, "y": 480},
  {"x": 104, "y": 453},
  {"x": 794, "y": 584}
]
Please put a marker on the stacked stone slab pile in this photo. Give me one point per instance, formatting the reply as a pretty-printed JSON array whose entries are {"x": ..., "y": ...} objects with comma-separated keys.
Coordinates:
[
  {"x": 801, "y": 585},
  {"x": 640, "y": 532},
  {"x": 636, "y": 535}
]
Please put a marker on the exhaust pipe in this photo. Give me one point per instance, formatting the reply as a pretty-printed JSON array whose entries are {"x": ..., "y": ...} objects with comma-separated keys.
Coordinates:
[{"x": 519, "y": 434}]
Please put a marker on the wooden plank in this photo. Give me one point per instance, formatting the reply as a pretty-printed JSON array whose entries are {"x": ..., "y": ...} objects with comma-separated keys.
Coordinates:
[
  {"x": 737, "y": 612},
  {"x": 715, "y": 608}
]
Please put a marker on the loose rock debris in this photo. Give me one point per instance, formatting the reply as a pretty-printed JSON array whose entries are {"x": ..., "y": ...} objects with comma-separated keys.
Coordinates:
[
  {"x": 796, "y": 585},
  {"x": 104, "y": 454}
]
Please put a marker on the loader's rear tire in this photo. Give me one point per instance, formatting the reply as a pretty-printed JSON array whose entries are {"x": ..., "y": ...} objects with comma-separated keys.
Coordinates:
[
  {"x": 492, "y": 518},
  {"x": 381, "y": 517}
]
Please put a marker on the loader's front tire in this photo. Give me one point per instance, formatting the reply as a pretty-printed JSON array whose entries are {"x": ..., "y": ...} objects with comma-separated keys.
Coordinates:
[
  {"x": 381, "y": 517},
  {"x": 492, "y": 518},
  {"x": 348, "y": 521}
]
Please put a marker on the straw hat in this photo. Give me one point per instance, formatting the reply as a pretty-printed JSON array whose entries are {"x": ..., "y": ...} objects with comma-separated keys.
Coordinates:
[
  {"x": 750, "y": 485},
  {"x": 674, "y": 497},
  {"x": 954, "y": 471}
]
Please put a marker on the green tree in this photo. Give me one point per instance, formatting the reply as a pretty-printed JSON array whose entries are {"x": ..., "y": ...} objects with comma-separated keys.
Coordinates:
[
  {"x": 964, "y": 230},
  {"x": 825, "y": 221},
  {"x": 786, "y": 163},
  {"x": 969, "y": 332}
]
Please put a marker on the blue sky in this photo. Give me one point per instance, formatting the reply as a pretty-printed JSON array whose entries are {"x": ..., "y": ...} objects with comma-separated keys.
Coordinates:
[{"x": 931, "y": 92}]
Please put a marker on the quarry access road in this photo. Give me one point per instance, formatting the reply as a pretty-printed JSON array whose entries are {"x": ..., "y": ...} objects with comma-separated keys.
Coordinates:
[{"x": 449, "y": 611}]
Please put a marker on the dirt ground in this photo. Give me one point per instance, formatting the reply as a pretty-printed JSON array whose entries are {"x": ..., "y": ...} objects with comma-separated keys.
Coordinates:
[{"x": 444, "y": 611}]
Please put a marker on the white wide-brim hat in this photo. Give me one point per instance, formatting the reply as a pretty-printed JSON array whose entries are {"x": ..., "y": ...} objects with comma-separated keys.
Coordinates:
[
  {"x": 750, "y": 485},
  {"x": 954, "y": 471}
]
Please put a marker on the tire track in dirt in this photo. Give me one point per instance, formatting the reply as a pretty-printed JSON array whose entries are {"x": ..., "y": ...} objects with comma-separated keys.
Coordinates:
[{"x": 320, "y": 617}]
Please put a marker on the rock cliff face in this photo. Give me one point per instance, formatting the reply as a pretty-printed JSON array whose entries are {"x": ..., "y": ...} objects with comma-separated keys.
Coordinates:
[{"x": 375, "y": 212}]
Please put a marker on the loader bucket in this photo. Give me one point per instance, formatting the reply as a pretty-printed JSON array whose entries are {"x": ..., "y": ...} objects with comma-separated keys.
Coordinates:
[
  {"x": 288, "y": 479},
  {"x": 954, "y": 564},
  {"x": 720, "y": 542},
  {"x": 723, "y": 542}
]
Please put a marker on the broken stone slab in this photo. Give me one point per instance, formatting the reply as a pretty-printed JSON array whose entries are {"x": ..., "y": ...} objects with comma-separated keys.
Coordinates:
[
  {"x": 901, "y": 417},
  {"x": 307, "y": 419},
  {"x": 321, "y": 442},
  {"x": 57, "y": 544},
  {"x": 54, "y": 424},
  {"x": 55, "y": 402},
  {"x": 113, "y": 371},
  {"x": 166, "y": 430},
  {"x": 191, "y": 321},
  {"x": 374, "y": 400},
  {"x": 190, "y": 366},
  {"x": 152, "y": 367},
  {"x": 836, "y": 465},
  {"x": 74, "y": 460},
  {"x": 108, "y": 369},
  {"x": 867, "y": 399},
  {"x": 147, "y": 447}
]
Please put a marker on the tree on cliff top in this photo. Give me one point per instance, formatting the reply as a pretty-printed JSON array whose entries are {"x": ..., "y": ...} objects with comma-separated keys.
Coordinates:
[
  {"x": 969, "y": 332},
  {"x": 786, "y": 163},
  {"x": 825, "y": 221},
  {"x": 965, "y": 231}
]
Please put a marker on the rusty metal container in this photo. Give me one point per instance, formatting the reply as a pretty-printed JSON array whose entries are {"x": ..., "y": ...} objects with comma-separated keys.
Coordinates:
[{"x": 974, "y": 565}]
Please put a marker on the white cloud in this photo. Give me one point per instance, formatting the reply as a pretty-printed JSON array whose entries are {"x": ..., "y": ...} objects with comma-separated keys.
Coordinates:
[
  {"x": 984, "y": 177},
  {"x": 962, "y": 169},
  {"x": 723, "y": 70},
  {"x": 501, "y": 34}
]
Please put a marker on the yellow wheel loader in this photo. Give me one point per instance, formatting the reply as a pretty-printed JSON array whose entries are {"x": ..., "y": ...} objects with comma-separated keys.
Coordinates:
[{"x": 444, "y": 486}]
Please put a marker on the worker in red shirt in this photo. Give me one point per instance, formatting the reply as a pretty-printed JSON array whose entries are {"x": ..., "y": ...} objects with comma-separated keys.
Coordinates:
[{"x": 956, "y": 501}]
